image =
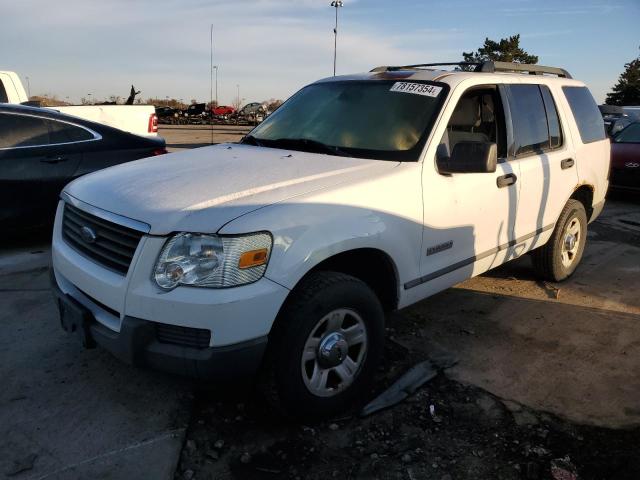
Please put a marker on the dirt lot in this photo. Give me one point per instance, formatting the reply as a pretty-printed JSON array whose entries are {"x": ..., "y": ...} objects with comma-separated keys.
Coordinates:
[
  {"x": 180, "y": 137},
  {"x": 543, "y": 371}
]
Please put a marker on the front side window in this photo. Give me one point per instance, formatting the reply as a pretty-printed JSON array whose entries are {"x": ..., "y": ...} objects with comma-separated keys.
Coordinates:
[
  {"x": 22, "y": 131},
  {"x": 586, "y": 113},
  {"x": 530, "y": 129},
  {"x": 378, "y": 119},
  {"x": 478, "y": 117},
  {"x": 631, "y": 134}
]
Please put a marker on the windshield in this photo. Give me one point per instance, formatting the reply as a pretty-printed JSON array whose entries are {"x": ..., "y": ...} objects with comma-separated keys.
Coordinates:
[
  {"x": 369, "y": 119},
  {"x": 631, "y": 134}
]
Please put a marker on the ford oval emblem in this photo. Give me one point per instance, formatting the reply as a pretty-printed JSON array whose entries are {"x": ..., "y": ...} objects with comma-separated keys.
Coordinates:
[
  {"x": 632, "y": 165},
  {"x": 88, "y": 235}
]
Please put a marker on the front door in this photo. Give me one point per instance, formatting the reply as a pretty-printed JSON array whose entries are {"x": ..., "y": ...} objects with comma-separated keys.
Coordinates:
[{"x": 469, "y": 218}]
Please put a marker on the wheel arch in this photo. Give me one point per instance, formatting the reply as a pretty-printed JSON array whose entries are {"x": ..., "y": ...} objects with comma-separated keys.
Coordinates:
[
  {"x": 372, "y": 266},
  {"x": 584, "y": 194}
]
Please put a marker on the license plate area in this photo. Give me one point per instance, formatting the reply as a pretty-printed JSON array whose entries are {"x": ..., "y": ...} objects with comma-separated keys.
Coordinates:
[{"x": 76, "y": 319}]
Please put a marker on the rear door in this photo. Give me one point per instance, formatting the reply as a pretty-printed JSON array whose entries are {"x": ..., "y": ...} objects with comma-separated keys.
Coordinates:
[{"x": 545, "y": 159}]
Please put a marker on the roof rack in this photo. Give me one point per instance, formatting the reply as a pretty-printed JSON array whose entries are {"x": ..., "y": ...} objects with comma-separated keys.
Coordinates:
[{"x": 488, "y": 66}]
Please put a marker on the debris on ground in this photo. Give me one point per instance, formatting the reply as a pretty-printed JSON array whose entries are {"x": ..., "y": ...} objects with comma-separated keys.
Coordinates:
[
  {"x": 563, "y": 469},
  {"x": 21, "y": 464},
  {"x": 406, "y": 385}
]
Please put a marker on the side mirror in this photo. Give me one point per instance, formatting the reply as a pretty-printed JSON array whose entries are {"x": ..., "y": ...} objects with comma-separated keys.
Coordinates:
[{"x": 469, "y": 157}]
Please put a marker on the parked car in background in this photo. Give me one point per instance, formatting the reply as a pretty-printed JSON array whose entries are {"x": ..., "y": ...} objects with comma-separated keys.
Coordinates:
[
  {"x": 196, "y": 113},
  {"x": 615, "y": 118},
  {"x": 252, "y": 113},
  {"x": 42, "y": 150},
  {"x": 166, "y": 114},
  {"x": 138, "y": 119},
  {"x": 625, "y": 159},
  {"x": 223, "y": 111}
]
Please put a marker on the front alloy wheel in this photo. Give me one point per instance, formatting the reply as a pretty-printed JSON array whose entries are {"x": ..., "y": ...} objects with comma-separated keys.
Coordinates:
[
  {"x": 324, "y": 347},
  {"x": 334, "y": 352}
]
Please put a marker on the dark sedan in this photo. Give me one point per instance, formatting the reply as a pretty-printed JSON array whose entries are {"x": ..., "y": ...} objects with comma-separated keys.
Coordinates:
[
  {"x": 625, "y": 159},
  {"x": 41, "y": 150}
]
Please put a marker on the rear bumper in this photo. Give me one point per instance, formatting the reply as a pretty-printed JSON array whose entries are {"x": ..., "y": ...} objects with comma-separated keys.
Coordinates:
[
  {"x": 137, "y": 343},
  {"x": 597, "y": 210}
]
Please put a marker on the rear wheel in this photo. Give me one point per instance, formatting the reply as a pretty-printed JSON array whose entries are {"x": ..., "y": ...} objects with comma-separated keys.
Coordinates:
[
  {"x": 325, "y": 346},
  {"x": 561, "y": 255}
]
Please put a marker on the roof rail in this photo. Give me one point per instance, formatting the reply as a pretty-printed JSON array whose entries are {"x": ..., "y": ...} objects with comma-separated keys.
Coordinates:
[
  {"x": 488, "y": 66},
  {"x": 491, "y": 66}
]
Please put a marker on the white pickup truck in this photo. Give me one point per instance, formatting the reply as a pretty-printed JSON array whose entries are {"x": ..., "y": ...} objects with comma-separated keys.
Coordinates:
[{"x": 137, "y": 119}]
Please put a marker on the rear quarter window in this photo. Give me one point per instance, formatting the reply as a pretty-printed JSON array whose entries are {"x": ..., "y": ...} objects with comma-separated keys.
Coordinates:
[
  {"x": 586, "y": 114},
  {"x": 3, "y": 93},
  {"x": 67, "y": 133}
]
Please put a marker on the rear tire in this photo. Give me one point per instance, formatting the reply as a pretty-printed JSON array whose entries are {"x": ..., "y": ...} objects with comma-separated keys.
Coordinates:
[
  {"x": 560, "y": 256},
  {"x": 324, "y": 348}
]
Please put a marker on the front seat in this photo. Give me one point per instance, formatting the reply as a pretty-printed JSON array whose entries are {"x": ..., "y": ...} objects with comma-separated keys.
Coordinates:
[{"x": 466, "y": 117}]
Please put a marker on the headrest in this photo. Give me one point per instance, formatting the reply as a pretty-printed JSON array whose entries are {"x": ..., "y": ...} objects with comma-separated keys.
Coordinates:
[{"x": 466, "y": 114}]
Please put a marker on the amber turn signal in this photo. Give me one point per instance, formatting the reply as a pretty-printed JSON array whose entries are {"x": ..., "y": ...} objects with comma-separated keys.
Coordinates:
[{"x": 253, "y": 258}]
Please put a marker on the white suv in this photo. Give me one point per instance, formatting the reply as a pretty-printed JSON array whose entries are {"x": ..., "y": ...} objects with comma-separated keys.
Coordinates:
[{"x": 278, "y": 256}]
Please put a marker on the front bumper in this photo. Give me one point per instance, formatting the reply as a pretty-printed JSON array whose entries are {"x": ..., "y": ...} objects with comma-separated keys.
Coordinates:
[{"x": 138, "y": 343}]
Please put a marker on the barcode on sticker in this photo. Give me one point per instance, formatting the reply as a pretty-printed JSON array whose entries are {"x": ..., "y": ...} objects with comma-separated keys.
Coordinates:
[{"x": 416, "y": 88}]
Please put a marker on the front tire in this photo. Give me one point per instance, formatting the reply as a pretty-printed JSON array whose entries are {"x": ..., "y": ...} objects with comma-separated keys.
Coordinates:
[
  {"x": 325, "y": 346},
  {"x": 560, "y": 256}
]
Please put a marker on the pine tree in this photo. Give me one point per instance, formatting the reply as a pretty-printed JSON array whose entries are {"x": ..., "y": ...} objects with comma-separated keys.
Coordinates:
[
  {"x": 505, "y": 50},
  {"x": 627, "y": 90}
]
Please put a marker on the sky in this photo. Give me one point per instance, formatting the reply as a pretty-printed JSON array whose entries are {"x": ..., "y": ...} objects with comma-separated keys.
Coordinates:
[{"x": 271, "y": 48}]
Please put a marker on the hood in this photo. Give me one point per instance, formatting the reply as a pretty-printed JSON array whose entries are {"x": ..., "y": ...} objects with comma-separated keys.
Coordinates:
[{"x": 202, "y": 189}]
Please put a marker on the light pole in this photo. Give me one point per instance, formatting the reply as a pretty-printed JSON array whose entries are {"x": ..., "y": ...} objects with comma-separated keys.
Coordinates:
[
  {"x": 216, "y": 69},
  {"x": 28, "y": 87},
  {"x": 335, "y": 4},
  {"x": 89, "y": 95},
  {"x": 238, "y": 87}
]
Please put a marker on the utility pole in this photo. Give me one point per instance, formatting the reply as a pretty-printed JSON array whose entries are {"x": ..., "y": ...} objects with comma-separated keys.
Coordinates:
[
  {"x": 335, "y": 4},
  {"x": 211, "y": 83}
]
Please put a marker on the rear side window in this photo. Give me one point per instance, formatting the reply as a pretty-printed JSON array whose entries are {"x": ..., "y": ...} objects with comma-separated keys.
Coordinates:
[
  {"x": 586, "y": 113},
  {"x": 530, "y": 129},
  {"x": 22, "y": 131},
  {"x": 3, "y": 93},
  {"x": 66, "y": 133}
]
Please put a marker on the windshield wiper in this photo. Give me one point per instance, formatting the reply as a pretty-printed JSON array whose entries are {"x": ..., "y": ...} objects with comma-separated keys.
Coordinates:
[
  {"x": 306, "y": 144},
  {"x": 251, "y": 140}
]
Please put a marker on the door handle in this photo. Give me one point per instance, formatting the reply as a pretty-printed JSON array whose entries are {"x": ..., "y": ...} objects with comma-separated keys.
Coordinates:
[
  {"x": 54, "y": 159},
  {"x": 506, "y": 180},
  {"x": 567, "y": 163}
]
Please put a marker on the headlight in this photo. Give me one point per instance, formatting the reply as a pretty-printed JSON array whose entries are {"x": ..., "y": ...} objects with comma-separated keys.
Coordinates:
[{"x": 212, "y": 261}]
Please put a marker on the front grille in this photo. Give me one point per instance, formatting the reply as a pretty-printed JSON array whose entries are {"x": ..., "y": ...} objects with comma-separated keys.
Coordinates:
[
  {"x": 113, "y": 245},
  {"x": 185, "y": 336}
]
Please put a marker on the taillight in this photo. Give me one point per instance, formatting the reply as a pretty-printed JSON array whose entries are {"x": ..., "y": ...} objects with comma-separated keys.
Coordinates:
[
  {"x": 160, "y": 151},
  {"x": 153, "y": 123}
]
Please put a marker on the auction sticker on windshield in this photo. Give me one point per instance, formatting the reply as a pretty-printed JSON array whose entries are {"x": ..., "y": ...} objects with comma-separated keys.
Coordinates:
[{"x": 416, "y": 88}]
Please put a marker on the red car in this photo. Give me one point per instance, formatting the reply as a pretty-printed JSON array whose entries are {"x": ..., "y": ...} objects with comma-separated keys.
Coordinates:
[
  {"x": 625, "y": 159},
  {"x": 223, "y": 110}
]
